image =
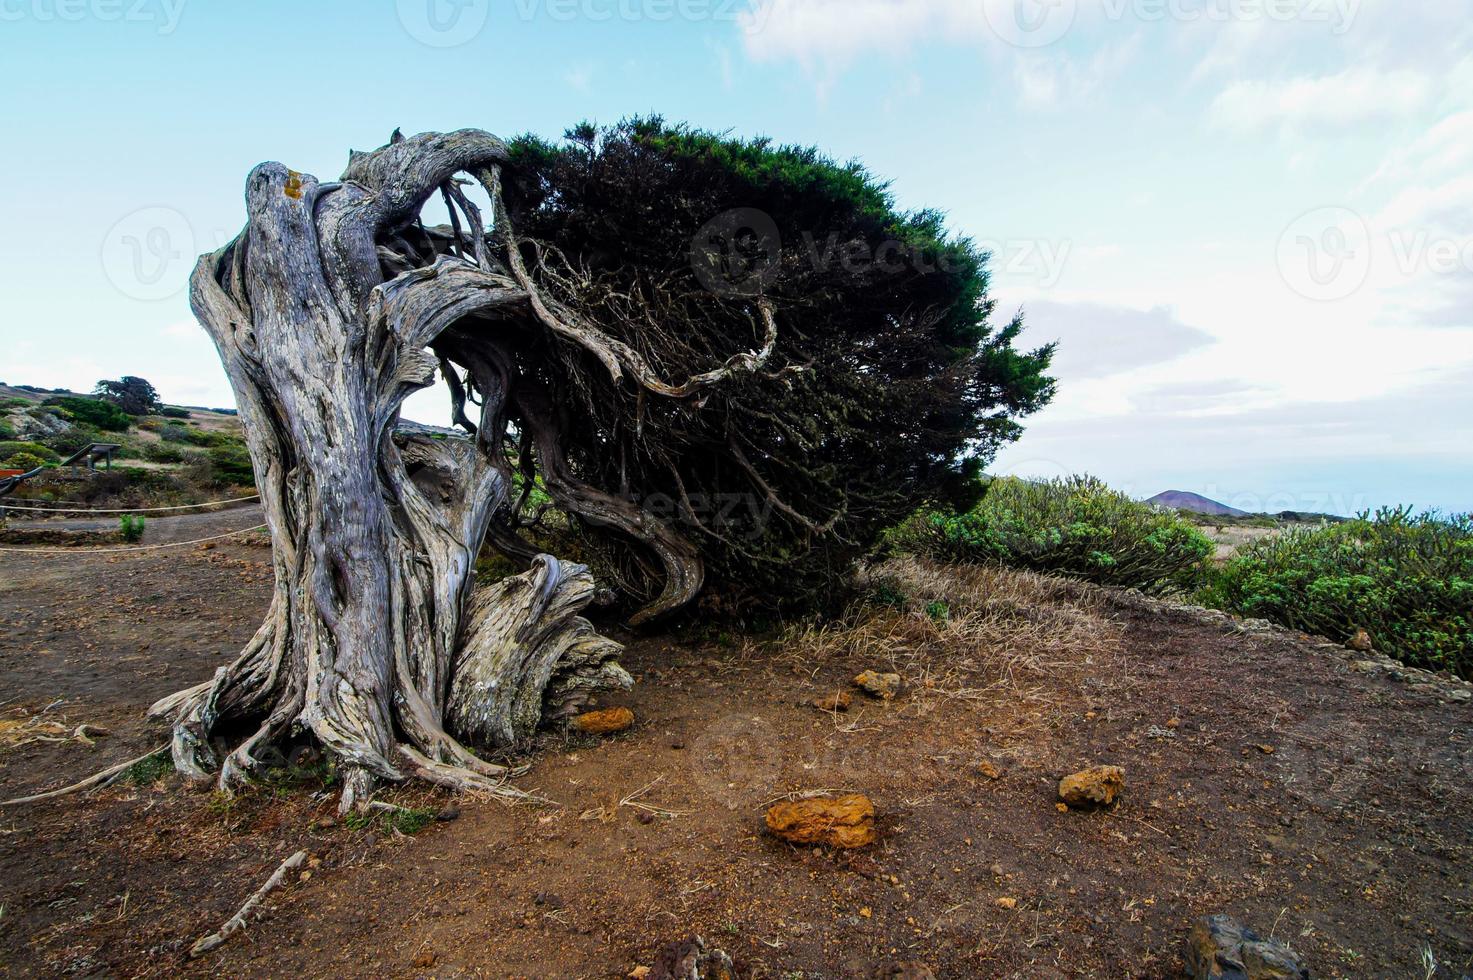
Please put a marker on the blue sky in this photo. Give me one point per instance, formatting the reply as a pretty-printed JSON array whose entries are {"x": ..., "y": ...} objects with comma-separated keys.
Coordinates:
[{"x": 1249, "y": 222}]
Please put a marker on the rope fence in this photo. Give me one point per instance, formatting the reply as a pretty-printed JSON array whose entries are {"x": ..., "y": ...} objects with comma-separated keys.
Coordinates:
[
  {"x": 118, "y": 551},
  {"x": 133, "y": 510}
]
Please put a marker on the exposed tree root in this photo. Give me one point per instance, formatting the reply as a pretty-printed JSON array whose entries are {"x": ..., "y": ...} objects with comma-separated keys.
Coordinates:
[
  {"x": 238, "y": 921},
  {"x": 97, "y": 779}
]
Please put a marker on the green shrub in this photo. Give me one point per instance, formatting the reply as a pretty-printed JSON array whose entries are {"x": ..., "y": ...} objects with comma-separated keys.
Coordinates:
[
  {"x": 230, "y": 464},
  {"x": 30, "y": 448},
  {"x": 174, "y": 432},
  {"x": 1077, "y": 527},
  {"x": 158, "y": 452},
  {"x": 1404, "y": 578},
  {"x": 77, "y": 437},
  {"x": 130, "y": 526},
  {"x": 170, "y": 412},
  {"x": 93, "y": 411},
  {"x": 22, "y": 461},
  {"x": 6, "y": 404}
]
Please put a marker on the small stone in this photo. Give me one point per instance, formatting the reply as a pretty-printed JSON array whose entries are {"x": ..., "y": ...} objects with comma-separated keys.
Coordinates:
[
  {"x": 1005, "y": 903},
  {"x": 1219, "y": 948},
  {"x": 638, "y": 973},
  {"x": 1361, "y": 641},
  {"x": 1461, "y": 695},
  {"x": 1173, "y": 723},
  {"x": 449, "y": 813},
  {"x": 549, "y": 900},
  {"x": 605, "y": 722},
  {"x": 326, "y": 823},
  {"x": 1366, "y": 666},
  {"x": 690, "y": 959},
  {"x": 838, "y": 701},
  {"x": 987, "y": 770},
  {"x": 1092, "y": 787},
  {"x": 878, "y": 685},
  {"x": 1266, "y": 749},
  {"x": 844, "y": 821},
  {"x": 997, "y": 871},
  {"x": 424, "y": 960}
]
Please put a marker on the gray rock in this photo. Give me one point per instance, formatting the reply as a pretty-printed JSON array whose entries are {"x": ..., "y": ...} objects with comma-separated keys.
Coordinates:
[
  {"x": 689, "y": 959},
  {"x": 1220, "y": 948}
]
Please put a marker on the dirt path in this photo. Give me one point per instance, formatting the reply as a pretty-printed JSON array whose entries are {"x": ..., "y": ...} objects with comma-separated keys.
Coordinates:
[{"x": 1332, "y": 809}]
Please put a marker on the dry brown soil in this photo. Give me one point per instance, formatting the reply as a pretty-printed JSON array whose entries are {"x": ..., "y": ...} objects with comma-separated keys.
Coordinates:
[{"x": 1331, "y": 809}]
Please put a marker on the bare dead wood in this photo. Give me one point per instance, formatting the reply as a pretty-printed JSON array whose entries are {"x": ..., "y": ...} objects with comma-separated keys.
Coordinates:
[
  {"x": 97, "y": 779},
  {"x": 331, "y": 307},
  {"x": 238, "y": 921}
]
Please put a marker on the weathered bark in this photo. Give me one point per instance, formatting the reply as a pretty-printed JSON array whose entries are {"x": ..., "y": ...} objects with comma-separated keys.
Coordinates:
[
  {"x": 374, "y": 544},
  {"x": 328, "y": 310},
  {"x": 331, "y": 307}
]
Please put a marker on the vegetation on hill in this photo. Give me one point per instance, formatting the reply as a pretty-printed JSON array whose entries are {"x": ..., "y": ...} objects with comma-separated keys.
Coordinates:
[
  {"x": 92, "y": 411},
  {"x": 1404, "y": 578},
  {"x": 1077, "y": 527}
]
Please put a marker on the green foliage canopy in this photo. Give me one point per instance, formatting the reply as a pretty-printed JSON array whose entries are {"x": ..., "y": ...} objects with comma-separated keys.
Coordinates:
[{"x": 889, "y": 384}]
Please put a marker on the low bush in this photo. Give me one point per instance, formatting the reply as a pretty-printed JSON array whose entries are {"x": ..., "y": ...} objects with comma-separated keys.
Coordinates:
[
  {"x": 158, "y": 452},
  {"x": 22, "y": 461},
  {"x": 1403, "y": 577},
  {"x": 6, "y": 432},
  {"x": 93, "y": 411},
  {"x": 171, "y": 412},
  {"x": 79, "y": 436},
  {"x": 41, "y": 452},
  {"x": 231, "y": 464},
  {"x": 131, "y": 527},
  {"x": 1077, "y": 527}
]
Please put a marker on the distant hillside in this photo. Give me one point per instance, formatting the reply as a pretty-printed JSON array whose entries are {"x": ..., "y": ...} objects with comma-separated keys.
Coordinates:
[{"x": 1194, "y": 502}]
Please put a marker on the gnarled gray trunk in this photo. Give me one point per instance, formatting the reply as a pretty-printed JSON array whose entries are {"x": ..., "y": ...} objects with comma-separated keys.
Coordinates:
[{"x": 378, "y": 639}]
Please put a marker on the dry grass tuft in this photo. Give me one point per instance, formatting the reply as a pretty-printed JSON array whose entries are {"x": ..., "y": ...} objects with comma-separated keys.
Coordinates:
[{"x": 965, "y": 632}]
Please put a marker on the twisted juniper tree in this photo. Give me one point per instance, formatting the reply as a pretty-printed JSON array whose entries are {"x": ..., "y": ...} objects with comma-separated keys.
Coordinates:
[{"x": 638, "y": 317}]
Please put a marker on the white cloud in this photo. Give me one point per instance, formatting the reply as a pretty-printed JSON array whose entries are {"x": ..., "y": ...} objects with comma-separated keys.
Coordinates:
[{"x": 1350, "y": 98}]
